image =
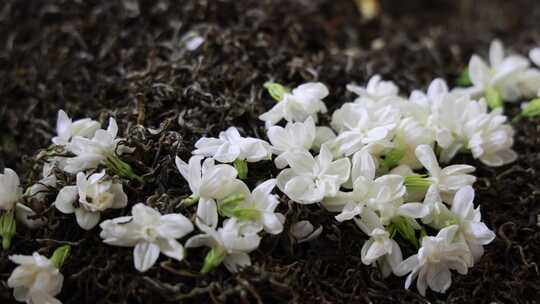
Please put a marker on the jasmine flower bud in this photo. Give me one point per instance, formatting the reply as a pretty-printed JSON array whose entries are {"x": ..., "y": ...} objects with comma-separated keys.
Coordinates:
[
  {"x": 276, "y": 90},
  {"x": 7, "y": 227},
  {"x": 493, "y": 98},
  {"x": 529, "y": 110},
  {"x": 60, "y": 255},
  {"x": 464, "y": 79}
]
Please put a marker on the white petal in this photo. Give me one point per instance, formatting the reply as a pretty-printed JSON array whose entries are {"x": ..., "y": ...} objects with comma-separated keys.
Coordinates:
[
  {"x": 227, "y": 153},
  {"x": 482, "y": 233},
  {"x": 171, "y": 248},
  {"x": 426, "y": 156},
  {"x": 478, "y": 71},
  {"x": 66, "y": 198},
  {"x": 496, "y": 53},
  {"x": 272, "y": 223},
  {"x": 174, "y": 226},
  {"x": 302, "y": 162},
  {"x": 207, "y": 212},
  {"x": 463, "y": 202},
  {"x": 439, "y": 279},
  {"x": 145, "y": 215},
  {"x": 363, "y": 165},
  {"x": 145, "y": 254},
  {"x": 86, "y": 219},
  {"x": 235, "y": 262},
  {"x": 413, "y": 210}
]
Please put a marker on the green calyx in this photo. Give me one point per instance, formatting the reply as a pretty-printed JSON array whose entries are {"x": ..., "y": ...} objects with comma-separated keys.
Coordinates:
[
  {"x": 232, "y": 207},
  {"x": 118, "y": 166},
  {"x": 464, "y": 79},
  {"x": 60, "y": 255},
  {"x": 392, "y": 158},
  {"x": 276, "y": 90},
  {"x": 493, "y": 98},
  {"x": 213, "y": 259},
  {"x": 8, "y": 227},
  {"x": 191, "y": 200},
  {"x": 532, "y": 109},
  {"x": 242, "y": 167},
  {"x": 405, "y": 230},
  {"x": 420, "y": 182}
]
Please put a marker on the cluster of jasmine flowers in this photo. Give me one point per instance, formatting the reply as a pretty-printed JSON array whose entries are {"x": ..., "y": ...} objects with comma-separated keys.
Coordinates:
[{"x": 382, "y": 163}]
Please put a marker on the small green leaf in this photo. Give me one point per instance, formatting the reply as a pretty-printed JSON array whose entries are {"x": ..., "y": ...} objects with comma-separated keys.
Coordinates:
[
  {"x": 464, "y": 80},
  {"x": 60, "y": 255},
  {"x": 493, "y": 98}
]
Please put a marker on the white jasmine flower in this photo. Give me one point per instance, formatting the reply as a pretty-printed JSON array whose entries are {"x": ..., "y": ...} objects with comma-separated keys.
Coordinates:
[
  {"x": 10, "y": 190},
  {"x": 257, "y": 206},
  {"x": 304, "y": 231},
  {"x": 380, "y": 247},
  {"x": 500, "y": 74},
  {"x": 453, "y": 118},
  {"x": 434, "y": 260},
  {"x": 447, "y": 180},
  {"x": 304, "y": 101},
  {"x": 229, "y": 244},
  {"x": 309, "y": 179},
  {"x": 376, "y": 89},
  {"x": 359, "y": 126},
  {"x": 231, "y": 146},
  {"x": 103, "y": 148},
  {"x": 384, "y": 194},
  {"x": 90, "y": 197},
  {"x": 208, "y": 182},
  {"x": 149, "y": 232},
  {"x": 491, "y": 140},
  {"x": 36, "y": 280},
  {"x": 298, "y": 135},
  {"x": 66, "y": 128},
  {"x": 475, "y": 232}
]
